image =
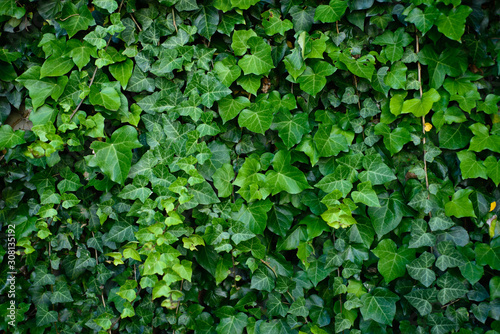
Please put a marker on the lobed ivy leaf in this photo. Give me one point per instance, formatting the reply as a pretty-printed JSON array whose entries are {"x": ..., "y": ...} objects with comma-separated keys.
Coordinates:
[{"x": 114, "y": 156}]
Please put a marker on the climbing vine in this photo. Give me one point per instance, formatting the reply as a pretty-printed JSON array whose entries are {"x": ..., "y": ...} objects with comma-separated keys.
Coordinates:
[{"x": 245, "y": 166}]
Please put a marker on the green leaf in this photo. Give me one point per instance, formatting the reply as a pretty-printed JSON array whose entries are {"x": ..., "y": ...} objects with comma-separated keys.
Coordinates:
[
  {"x": 393, "y": 260},
  {"x": 222, "y": 180},
  {"x": 61, "y": 294},
  {"x": 460, "y": 204},
  {"x": 452, "y": 22},
  {"x": 291, "y": 128},
  {"x": 203, "y": 193},
  {"x": 254, "y": 216},
  {"x": 423, "y": 20},
  {"x": 260, "y": 61},
  {"x": 329, "y": 142},
  {"x": 389, "y": 215},
  {"x": 454, "y": 137},
  {"x": 229, "y": 108},
  {"x": 299, "y": 308},
  {"x": 258, "y": 118},
  {"x": 313, "y": 79},
  {"x": 489, "y": 254},
  {"x": 330, "y": 13},
  {"x": 122, "y": 71},
  {"x": 109, "y": 5},
  {"x": 482, "y": 139},
  {"x": 240, "y": 41},
  {"x": 421, "y": 107},
  {"x": 227, "y": 71},
  {"x": 243, "y": 4},
  {"x": 363, "y": 67},
  {"x": 451, "y": 288},
  {"x": 449, "y": 257},
  {"x": 419, "y": 269},
  {"x": 275, "y": 305},
  {"x": 284, "y": 176},
  {"x": 366, "y": 195},
  {"x": 376, "y": 171},
  {"x": 273, "y": 24},
  {"x": 81, "y": 54},
  {"x": 114, "y": 156},
  {"x": 395, "y": 140},
  {"x": 45, "y": 317},
  {"x": 492, "y": 169},
  {"x": 41, "y": 89},
  {"x": 394, "y": 41},
  {"x": 420, "y": 299},
  {"x": 207, "y": 21},
  {"x": 470, "y": 167},
  {"x": 449, "y": 62},
  {"x": 10, "y": 138},
  {"x": 107, "y": 97},
  {"x": 379, "y": 305},
  {"x": 75, "y": 20},
  {"x": 263, "y": 279},
  {"x": 40, "y": 277},
  {"x": 396, "y": 77}
]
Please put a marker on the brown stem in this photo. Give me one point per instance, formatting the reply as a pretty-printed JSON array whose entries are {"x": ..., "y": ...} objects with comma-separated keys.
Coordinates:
[
  {"x": 137, "y": 24},
  {"x": 419, "y": 69},
  {"x": 337, "y": 26},
  {"x": 269, "y": 266},
  {"x": 173, "y": 19}
]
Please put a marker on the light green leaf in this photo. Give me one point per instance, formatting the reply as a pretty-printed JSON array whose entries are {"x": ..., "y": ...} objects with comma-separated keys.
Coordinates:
[
  {"x": 421, "y": 107},
  {"x": 313, "y": 79},
  {"x": 460, "y": 204},
  {"x": 492, "y": 169},
  {"x": 258, "y": 118},
  {"x": 107, "y": 97},
  {"x": 284, "y": 176},
  {"x": 122, "y": 71},
  {"x": 109, "y": 5},
  {"x": 331, "y": 12},
  {"x": 366, "y": 195},
  {"x": 291, "y": 128},
  {"x": 423, "y": 20},
  {"x": 273, "y": 24},
  {"x": 329, "y": 142},
  {"x": 470, "y": 167},
  {"x": 222, "y": 180},
  {"x": 395, "y": 140},
  {"x": 10, "y": 138},
  {"x": 363, "y": 67},
  {"x": 243, "y": 4},
  {"x": 229, "y": 108},
  {"x": 260, "y": 61}
]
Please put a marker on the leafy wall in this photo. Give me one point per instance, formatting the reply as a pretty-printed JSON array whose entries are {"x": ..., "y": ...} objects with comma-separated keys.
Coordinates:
[{"x": 236, "y": 166}]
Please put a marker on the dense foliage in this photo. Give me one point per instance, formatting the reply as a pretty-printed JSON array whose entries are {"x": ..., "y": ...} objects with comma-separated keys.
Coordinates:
[{"x": 245, "y": 166}]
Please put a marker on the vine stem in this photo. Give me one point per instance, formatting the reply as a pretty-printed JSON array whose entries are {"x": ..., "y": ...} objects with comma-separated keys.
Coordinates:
[{"x": 423, "y": 117}]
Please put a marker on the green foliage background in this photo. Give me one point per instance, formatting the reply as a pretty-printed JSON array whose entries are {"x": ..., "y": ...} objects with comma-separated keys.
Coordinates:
[{"x": 245, "y": 166}]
